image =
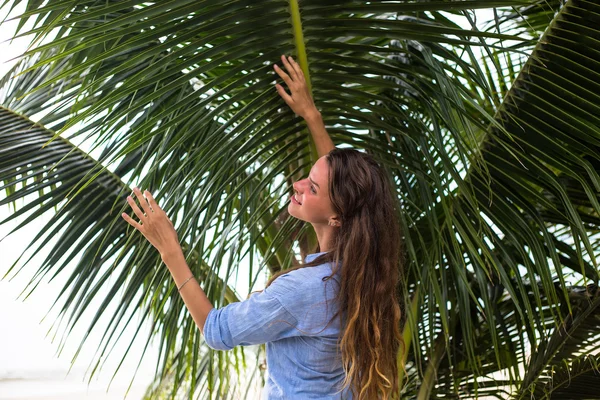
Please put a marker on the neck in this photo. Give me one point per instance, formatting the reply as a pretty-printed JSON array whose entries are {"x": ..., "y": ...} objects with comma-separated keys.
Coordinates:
[{"x": 325, "y": 234}]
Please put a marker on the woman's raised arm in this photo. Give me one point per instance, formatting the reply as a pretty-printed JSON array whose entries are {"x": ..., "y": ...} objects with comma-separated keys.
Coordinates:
[
  {"x": 322, "y": 139},
  {"x": 301, "y": 102}
]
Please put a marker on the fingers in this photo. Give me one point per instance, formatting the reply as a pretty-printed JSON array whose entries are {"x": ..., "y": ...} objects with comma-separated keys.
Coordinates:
[
  {"x": 142, "y": 200},
  {"x": 283, "y": 75},
  {"x": 131, "y": 221},
  {"x": 294, "y": 70},
  {"x": 283, "y": 93},
  {"x": 290, "y": 69},
  {"x": 299, "y": 73},
  {"x": 136, "y": 209},
  {"x": 151, "y": 200},
  {"x": 150, "y": 206}
]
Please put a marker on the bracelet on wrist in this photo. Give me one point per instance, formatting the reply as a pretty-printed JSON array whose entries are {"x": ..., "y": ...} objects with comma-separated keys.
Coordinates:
[{"x": 186, "y": 281}]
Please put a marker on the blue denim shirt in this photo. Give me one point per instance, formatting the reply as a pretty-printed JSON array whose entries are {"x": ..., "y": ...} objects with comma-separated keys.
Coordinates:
[{"x": 300, "y": 365}]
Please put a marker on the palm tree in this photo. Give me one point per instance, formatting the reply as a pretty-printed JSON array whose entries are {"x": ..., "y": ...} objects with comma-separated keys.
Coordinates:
[{"x": 491, "y": 134}]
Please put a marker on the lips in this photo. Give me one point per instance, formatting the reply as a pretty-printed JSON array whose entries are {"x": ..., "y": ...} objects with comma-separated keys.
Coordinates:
[{"x": 294, "y": 200}]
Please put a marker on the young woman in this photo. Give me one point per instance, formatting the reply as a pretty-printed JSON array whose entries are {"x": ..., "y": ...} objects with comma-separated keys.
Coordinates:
[{"x": 332, "y": 324}]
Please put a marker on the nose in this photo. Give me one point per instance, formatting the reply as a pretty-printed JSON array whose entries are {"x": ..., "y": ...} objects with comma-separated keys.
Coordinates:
[{"x": 296, "y": 185}]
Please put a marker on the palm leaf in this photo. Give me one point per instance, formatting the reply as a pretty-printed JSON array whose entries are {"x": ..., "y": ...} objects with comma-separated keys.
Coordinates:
[
  {"x": 566, "y": 348},
  {"x": 541, "y": 174},
  {"x": 580, "y": 376},
  {"x": 149, "y": 81},
  {"x": 139, "y": 268}
]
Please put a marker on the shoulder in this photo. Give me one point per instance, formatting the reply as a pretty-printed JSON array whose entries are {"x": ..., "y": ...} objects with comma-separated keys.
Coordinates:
[
  {"x": 302, "y": 278},
  {"x": 286, "y": 283},
  {"x": 304, "y": 286}
]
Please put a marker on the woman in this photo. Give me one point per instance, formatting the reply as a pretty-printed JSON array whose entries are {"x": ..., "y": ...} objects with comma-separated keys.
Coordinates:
[{"x": 348, "y": 199}]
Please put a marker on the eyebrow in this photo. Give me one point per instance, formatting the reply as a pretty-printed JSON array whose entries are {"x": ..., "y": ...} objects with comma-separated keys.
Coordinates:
[{"x": 314, "y": 182}]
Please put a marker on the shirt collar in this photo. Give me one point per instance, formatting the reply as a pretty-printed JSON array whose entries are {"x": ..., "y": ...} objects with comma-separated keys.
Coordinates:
[{"x": 312, "y": 256}]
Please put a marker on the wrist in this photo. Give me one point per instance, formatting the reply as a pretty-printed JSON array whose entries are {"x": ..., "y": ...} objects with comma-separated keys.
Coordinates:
[
  {"x": 172, "y": 255},
  {"x": 312, "y": 115}
]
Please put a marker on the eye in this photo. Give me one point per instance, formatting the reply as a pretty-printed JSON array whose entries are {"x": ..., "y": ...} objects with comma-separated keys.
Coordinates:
[{"x": 313, "y": 189}]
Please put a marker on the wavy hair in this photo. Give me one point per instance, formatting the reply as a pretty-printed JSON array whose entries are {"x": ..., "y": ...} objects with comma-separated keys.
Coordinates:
[{"x": 369, "y": 240}]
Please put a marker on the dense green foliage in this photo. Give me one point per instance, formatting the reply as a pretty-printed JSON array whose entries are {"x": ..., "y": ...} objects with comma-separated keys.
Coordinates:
[{"x": 491, "y": 133}]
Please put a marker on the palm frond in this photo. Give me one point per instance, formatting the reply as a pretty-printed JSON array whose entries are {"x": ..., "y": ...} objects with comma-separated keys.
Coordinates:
[
  {"x": 539, "y": 174},
  {"x": 580, "y": 376},
  {"x": 94, "y": 231},
  {"x": 176, "y": 92}
]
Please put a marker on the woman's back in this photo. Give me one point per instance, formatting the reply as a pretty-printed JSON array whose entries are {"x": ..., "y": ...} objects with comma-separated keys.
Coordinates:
[
  {"x": 293, "y": 316},
  {"x": 308, "y": 366}
]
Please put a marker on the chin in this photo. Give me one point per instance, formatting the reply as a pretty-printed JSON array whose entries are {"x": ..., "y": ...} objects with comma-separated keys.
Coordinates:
[{"x": 292, "y": 213}]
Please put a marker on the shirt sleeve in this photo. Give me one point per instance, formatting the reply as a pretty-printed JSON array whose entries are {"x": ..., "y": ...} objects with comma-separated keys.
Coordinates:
[{"x": 259, "y": 319}]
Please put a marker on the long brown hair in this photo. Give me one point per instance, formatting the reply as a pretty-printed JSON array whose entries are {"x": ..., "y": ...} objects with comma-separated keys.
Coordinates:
[{"x": 369, "y": 248}]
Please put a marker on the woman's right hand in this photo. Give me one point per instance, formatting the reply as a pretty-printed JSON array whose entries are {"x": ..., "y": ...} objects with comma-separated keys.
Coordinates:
[{"x": 300, "y": 101}]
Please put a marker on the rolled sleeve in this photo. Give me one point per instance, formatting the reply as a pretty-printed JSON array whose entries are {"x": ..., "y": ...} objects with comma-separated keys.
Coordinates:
[
  {"x": 216, "y": 330},
  {"x": 259, "y": 319}
]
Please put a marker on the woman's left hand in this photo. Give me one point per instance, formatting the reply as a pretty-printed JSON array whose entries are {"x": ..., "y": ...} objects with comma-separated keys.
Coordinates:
[{"x": 154, "y": 224}]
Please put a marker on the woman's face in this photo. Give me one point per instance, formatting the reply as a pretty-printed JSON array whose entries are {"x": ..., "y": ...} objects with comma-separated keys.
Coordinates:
[{"x": 313, "y": 193}]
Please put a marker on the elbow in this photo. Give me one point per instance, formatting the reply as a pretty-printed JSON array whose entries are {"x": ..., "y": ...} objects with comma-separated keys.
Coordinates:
[
  {"x": 215, "y": 336},
  {"x": 217, "y": 345}
]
